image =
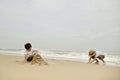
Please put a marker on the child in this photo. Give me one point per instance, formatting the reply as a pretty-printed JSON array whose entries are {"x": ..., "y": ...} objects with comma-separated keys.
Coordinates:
[
  {"x": 32, "y": 55},
  {"x": 95, "y": 55},
  {"x": 29, "y": 52}
]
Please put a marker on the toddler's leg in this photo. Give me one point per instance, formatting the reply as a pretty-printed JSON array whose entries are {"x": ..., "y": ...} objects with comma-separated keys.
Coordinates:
[
  {"x": 97, "y": 62},
  {"x": 101, "y": 57}
]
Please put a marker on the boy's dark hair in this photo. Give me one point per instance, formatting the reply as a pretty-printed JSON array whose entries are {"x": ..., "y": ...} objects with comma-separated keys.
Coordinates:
[{"x": 27, "y": 46}]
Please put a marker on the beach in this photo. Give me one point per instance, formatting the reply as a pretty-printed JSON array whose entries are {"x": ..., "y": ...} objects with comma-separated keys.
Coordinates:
[{"x": 14, "y": 68}]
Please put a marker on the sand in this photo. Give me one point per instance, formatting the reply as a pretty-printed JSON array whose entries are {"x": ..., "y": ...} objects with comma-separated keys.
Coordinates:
[{"x": 14, "y": 68}]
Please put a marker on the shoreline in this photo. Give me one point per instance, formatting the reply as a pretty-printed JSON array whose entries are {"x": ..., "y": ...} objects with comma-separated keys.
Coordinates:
[{"x": 59, "y": 59}]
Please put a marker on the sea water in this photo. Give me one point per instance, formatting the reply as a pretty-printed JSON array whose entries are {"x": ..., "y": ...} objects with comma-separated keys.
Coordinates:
[{"x": 111, "y": 59}]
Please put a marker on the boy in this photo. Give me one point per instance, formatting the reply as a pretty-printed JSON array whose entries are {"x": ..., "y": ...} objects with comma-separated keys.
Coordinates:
[
  {"x": 32, "y": 55},
  {"x": 95, "y": 55}
]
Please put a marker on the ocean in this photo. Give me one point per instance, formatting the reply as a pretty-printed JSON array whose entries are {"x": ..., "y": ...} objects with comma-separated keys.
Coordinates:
[{"x": 111, "y": 59}]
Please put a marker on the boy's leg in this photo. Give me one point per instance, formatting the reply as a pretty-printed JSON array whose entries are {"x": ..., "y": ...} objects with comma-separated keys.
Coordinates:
[{"x": 30, "y": 58}]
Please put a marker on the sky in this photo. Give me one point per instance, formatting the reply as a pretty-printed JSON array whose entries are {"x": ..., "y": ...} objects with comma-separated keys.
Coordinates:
[{"x": 65, "y": 25}]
